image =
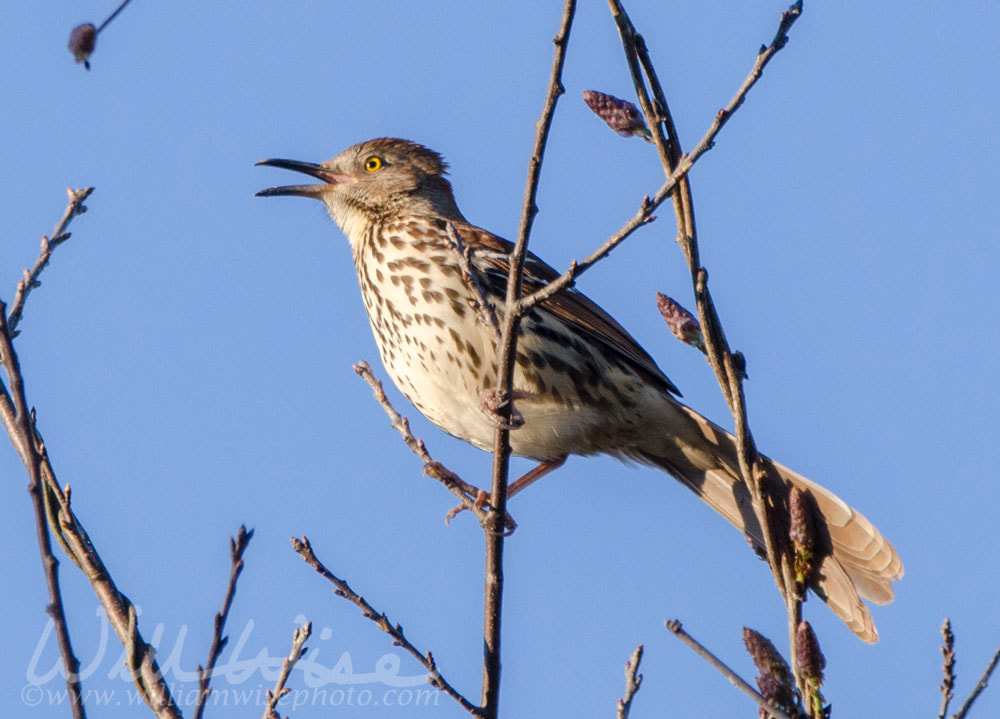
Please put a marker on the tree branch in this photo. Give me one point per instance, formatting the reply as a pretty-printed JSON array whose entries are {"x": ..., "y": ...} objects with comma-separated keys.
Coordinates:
[
  {"x": 729, "y": 372},
  {"x": 632, "y": 681},
  {"x": 676, "y": 172},
  {"x": 21, "y": 428},
  {"x": 299, "y": 637},
  {"x": 52, "y": 509},
  {"x": 465, "y": 492},
  {"x": 484, "y": 310},
  {"x": 675, "y": 628},
  {"x": 237, "y": 547},
  {"x": 343, "y": 589},
  {"x": 59, "y": 235},
  {"x": 506, "y": 353},
  {"x": 980, "y": 686}
]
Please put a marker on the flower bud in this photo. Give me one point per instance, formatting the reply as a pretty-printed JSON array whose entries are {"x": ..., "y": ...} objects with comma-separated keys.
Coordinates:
[
  {"x": 621, "y": 115},
  {"x": 81, "y": 43}
]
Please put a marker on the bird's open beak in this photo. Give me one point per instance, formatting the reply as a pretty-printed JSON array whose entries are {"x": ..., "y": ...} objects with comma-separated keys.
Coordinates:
[{"x": 328, "y": 176}]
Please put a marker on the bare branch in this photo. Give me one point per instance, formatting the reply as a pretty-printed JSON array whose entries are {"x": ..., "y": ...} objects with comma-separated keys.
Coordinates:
[
  {"x": 120, "y": 610},
  {"x": 113, "y": 15},
  {"x": 484, "y": 310},
  {"x": 20, "y": 426},
  {"x": 237, "y": 547},
  {"x": 343, "y": 589},
  {"x": 506, "y": 353},
  {"x": 465, "y": 492},
  {"x": 59, "y": 235},
  {"x": 675, "y": 628},
  {"x": 299, "y": 637},
  {"x": 677, "y": 170},
  {"x": 980, "y": 686},
  {"x": 632, "y": 681},
  {"x": 729, "y": 372}
]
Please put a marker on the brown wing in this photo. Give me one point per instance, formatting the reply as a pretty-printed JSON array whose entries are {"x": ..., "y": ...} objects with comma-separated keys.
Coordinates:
[{"x": 571, "y": 306}]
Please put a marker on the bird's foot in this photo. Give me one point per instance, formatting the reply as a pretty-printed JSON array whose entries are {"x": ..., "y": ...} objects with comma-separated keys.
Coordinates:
[
  {"x": 481, "y": 502},
  {"x": 491, "y": 405}
]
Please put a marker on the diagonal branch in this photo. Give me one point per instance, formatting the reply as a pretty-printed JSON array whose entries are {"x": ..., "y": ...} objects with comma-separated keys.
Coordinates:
[
  {"x": 632, "y": 682},
  {"x": 484, "y": 310},
  {"x": 980, "y": 686},
  {"x": 53, "y": 510},
  {"x": 59, "y": 235},
  {"x": 465, "y": 492},
  {"x": 728, "y": 369},
  {"x": 675, "y": 628},
  {"x": 121, "y": 612},
  {"x": 20, "y": 425},
  {"x": 237, "y": 547},
  {"x": 677, "y": 171},
  {"x": 299, "y": 637},
  {"x": 506, "y": 353},
  {"x": 343, "y": 589}
]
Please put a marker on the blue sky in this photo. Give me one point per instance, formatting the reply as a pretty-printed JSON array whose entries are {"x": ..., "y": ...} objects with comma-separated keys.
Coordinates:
[{"x": 189, "y": 352}]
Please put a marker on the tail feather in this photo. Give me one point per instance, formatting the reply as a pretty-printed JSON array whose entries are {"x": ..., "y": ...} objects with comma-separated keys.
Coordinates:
[{"x": 856, "y": 561}]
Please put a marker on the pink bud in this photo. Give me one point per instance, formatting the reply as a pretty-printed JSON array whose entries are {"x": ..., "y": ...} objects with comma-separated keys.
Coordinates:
[{"x": 621, "y": 115}]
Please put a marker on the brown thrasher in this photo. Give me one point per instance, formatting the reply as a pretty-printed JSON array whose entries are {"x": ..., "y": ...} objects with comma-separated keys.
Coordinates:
[{"x": 582, "y": 384}]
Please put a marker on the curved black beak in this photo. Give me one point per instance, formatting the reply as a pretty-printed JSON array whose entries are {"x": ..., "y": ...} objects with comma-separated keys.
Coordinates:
[{"x": 309, "y": 168}]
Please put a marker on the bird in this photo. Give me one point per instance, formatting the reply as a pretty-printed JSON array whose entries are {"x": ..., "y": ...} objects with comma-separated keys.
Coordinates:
[{"x": 582, "y": 385}]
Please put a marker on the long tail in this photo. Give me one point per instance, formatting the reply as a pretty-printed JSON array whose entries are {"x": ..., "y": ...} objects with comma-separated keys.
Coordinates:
[{"x": 856, "y": 560}]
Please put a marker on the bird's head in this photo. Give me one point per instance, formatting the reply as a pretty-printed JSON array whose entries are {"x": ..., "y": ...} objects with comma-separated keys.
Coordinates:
[{"x": 373, "y": 182}]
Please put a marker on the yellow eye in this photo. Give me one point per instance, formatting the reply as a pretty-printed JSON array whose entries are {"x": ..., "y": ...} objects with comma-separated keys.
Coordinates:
[{"x": 373, "y": 163}]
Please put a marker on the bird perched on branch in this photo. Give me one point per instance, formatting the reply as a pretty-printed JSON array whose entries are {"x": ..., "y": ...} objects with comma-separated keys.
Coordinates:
[{"x": 582, "y": 384}]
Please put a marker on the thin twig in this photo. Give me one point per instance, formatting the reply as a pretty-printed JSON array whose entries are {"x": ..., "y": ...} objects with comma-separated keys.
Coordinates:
[
  {"x": 113, "y": 15},
  {"x": 59, "y": 235},
  {"x": 728, "y": 372},
  {"x": 632, "y": 681},
  {"x": 465, "y": 492},
  {"x": 299, "y": 637},
  {"x": 980, "y": 686},
  {"x": 121, "y": 612},
  {"x": 675, "y": 628},
  {"x": 506, "y": 353},
  {"x": 676, "y": 178},
  {"x": 53, "y": 510},
  {"x": 22, "y": 435},
  {"x": 237, "y": 547},
  {"x": 484, "y": 310},
  {"x": 343, "y": 589}
]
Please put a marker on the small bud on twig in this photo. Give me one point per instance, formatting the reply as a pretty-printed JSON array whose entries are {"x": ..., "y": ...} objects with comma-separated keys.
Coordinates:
[
  {"x": 621, "y": 115},
  {"x": 811, "y": 659},
  {"x": 811, "y": 664},
  {"x": 775, "y": 682},
  {"x": 683, "y": 325},
  {"x": 802, "y": 532}
]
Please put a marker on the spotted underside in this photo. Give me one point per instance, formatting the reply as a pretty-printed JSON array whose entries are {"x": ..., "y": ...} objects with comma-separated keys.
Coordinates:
[{"x": 442, "y": 356}]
